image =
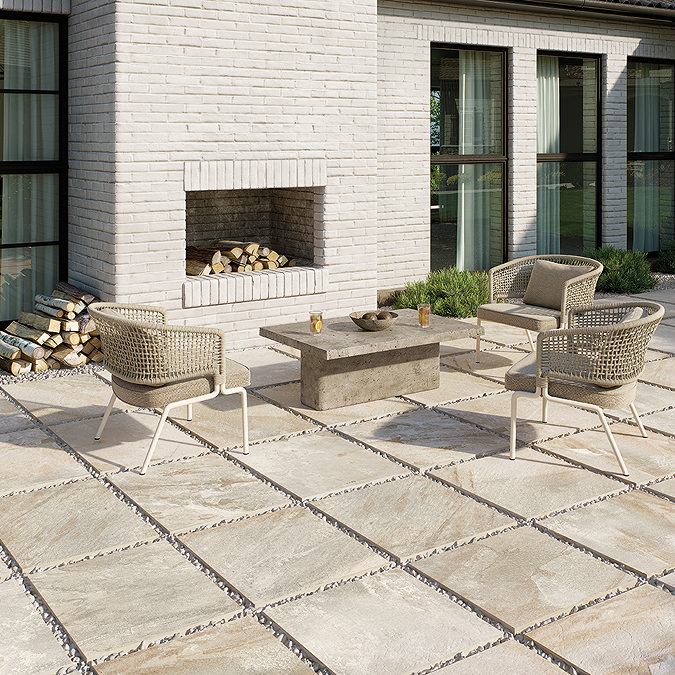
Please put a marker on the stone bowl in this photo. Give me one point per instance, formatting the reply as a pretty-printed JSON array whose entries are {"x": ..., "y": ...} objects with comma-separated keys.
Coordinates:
[{"x": 372, "y": 324}]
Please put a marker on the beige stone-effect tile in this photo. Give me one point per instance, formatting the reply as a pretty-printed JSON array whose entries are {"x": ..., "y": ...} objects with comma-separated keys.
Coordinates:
[
  {"x": 648, "y": 399},
  {"x": 635, "y": 529},
  {"x": 315, "y": 465},
  {"x": 412, "y": 516},
  {"x": 30, "y": 459},
  {"x": 664, "y": 487},
  {"x": 68, "y": 522},
  {"x": 668, "y": 580},
  {"x": 63, "y": 399},
  {"x": 455, "y": 385},
  {"x": 113, "y": 603},
  {"x": 218, "y": 421},
  {"x": 663, "y": 339},
  {"x": 27, "y": 644},
  {"x": 493, "y": 364},
  {"x": 506, "y": 658},
  {"x": 385, "y": 624},
  {"x": 125, "y": 441},
  {"x": 289, "y": 397},
  {"x": 425, "y": 438},
  {"x": 645, "y": 458},
  {"x": 534, "y": 484},
  {"x": 522, "y": 577},
  {"x": 660, "y": 373},
  {"x": 301, "y": 553},
  {"x": 661, "y": 421},
  {"x": 631, "y": 633},
  {"x": 494, "y": 413},
  {"x": 238, "y": 647},
  {"x": 13, "y": 419},
  {"x": 665, "y": 297},
  {"x": 202, "y": 491},
  {"x": 267, "y": 366}
]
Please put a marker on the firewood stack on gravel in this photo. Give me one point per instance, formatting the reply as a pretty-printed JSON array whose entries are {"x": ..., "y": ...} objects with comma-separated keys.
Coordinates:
[
  {"x": 233, "y": 256},
  {"x": 58, "y": 332}
]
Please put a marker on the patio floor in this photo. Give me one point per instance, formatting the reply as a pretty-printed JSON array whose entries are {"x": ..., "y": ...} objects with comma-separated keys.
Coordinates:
[{"x": 393, "y": 537}]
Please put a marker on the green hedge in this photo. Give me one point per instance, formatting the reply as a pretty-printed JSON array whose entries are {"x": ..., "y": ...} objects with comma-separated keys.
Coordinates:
[
  {"x": 666, "y": 260},
  {"x": 449, "y": 291},
  {"x": 625, "y": 271}
]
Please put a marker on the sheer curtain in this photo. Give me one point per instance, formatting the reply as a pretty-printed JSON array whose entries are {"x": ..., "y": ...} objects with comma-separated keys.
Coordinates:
[
  {"x": 548, "y": 141},
  {"x": 473, "y": 202},
  {"x": 29, "y": 133},
  {"x": 645, "y": 182}
]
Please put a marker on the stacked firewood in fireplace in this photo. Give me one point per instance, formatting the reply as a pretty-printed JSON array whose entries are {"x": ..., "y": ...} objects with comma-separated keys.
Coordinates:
[
  {"x": 58, "y": 332},
  {"x": 233, "y": 256}
]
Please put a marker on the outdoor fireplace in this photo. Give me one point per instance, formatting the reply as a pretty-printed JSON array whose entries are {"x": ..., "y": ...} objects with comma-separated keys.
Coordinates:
[{"x": 276, "y": 203}]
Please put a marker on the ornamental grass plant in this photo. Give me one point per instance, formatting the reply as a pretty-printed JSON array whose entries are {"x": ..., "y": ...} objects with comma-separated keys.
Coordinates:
[
  {"x": 625, "y": 271},
  {"x": 449, "y": 291}
]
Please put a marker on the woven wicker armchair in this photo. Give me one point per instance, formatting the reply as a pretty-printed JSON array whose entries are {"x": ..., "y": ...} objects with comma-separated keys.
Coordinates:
[
  {"x": 511, "y": 281},
  {"x": 594, "y": 364},
  {"x": 157, "y": 366}
]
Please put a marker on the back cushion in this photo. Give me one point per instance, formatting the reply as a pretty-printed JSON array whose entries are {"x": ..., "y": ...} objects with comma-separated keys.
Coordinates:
[{"x": 547, "y": 280}]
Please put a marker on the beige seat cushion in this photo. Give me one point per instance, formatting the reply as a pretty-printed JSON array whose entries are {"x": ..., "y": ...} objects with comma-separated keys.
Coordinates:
[
  {"x": 522, "y": 377},
  {"x": 147, "y": 396},
  {"x": 523, "y": 316},
  {"x": 545, "y": 286}
]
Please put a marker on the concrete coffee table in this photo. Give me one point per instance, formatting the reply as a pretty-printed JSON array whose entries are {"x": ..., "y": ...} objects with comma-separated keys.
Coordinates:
[{"x": 345, "y": 365}]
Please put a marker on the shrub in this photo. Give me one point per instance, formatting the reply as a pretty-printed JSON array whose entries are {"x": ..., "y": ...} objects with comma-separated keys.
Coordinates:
[
  {"x": 625, "y": 271},
  {"x": 666, "y": 260},
  {"x": 449, "y": 291}
]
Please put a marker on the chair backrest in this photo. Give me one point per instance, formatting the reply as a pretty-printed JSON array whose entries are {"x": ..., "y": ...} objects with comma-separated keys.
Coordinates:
[
  {"x": 605, "y": 344},
  {"x": 139, "y": 347}
]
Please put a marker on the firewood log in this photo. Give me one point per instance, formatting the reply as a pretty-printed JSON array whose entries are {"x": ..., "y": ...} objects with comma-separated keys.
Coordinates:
[
  {"x": 30, "y": 350},
  {"x": 79, "y": 304},
  {"x": 272, "y": 255},
  {"x": 70, "y": 337},
  {"x": 40, "y": 322},
  {"x": 69, "y": 327},
  {"x": 16, "y": 366},
  {"x": 85, "y": 323},
  {"x": 40, "y": 365},
  {"x": 217, "y": 268},
  {"x": 242, "y": 268},
  {"x": 195, "y": 268},
  {"x": 60, "y": 303},
  {"x": 96, "y": 341},
  {"x": 33, "y": 334},
  {"x": 96, "y": 356},
  {"x": 8, "y": 351},
  {"x": 66, "y": 355},
  {"x": 250, "y": 247},
  {"x": 53, "y": 363},
  {"x": 236, "y": 255},
  {"x": 49, "y": 311},
  {"x": 83, "y": 295},
  {"x": 54, "y": 341},
  {"x": 257, "y": 265},
  {"x": 282, "y": 260},
  {"x": 207, "y": 254}
]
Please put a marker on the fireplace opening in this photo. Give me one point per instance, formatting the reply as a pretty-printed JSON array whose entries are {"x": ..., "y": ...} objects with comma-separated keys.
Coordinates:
[{"x": 282, "y": 219}]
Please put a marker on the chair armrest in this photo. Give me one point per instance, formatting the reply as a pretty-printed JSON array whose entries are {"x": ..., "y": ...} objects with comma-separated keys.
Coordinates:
[
  {"x": 510, "y": 279},
  {"x": 134, "y": 312}
]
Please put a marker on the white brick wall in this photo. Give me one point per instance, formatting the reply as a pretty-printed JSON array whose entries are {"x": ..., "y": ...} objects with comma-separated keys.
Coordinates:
[{"x": 405, "y": 33}]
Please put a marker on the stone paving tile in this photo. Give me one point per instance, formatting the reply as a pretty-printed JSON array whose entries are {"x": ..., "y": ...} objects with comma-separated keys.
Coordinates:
[
  {"x": 51, "y": 526},
  {"x": 492, "y": 365},
  {"x": 11, "y": 418},
  {"x": 522, "y": 577},
  {"x": 30, "y": 459},
  {"x": 494, "y": 413},
  {"x": 239, "y": 647},
  {"x": 112, "y": 603},
  {"x": 267, "y": 366},
  {"x": 459, "y": 346},
  {"x": 27, "y": 644},
  {"x": 315, "y": 465},
  {"x": 506, "y": 658},
  {"x": 665, "y": 487},
  {"x": 301, "y": 553},
  {"x": 661, "y": 373},
  {"x": 653, "y": 355},
  {"x": 663, "y": 339},
  {"x": 648, "y": 398},
  {"x": 668, "y": 580},
  {"x": 664, "y": 297},
  {"x": 67, "y": 398},
  {"x": 5, "y": 572},
  {"x": 635, "y": 529},
  {"x": 193, "y": 493},
  {"x": 425, "y": 438},
  {"x": 455, "y": 385},
  {"x": 126, "y": 439},
  {"x": 646, "y": 458},
  {"x": 412, "y": 516},
  {"x": 631, "y": 633},
  {"x": 218, "y": 421},
  {"x": 289, "y": 396},
  {"x": 660, "y": 421},
  {"x": 386, "y": 624},
  {"x": 533, "y": 484}
]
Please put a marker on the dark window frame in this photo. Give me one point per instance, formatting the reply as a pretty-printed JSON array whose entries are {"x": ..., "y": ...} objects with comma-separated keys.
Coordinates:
[{"x": 501, "y": 159}]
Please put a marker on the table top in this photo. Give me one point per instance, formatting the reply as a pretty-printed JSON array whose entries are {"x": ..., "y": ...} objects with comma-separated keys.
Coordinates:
[{"x": 341, "y": 337}]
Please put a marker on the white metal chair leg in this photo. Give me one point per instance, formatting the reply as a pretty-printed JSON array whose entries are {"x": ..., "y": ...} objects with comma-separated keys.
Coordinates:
[
  {"x": 544, "y": 409},
  {"x": 529, "y": 339},
  {"x": 244, "y": 413},
  {"x": 189, "y": 412},
  {"x": 111, "y": 403},
  {"x": 477, "y": 342},
  {"x": 155, "y": 438},
  {"x": 514, "y": 414},
  {"x": 638, "y": 421}
]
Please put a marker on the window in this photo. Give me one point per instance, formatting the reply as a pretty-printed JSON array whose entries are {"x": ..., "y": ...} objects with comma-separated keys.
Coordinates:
[
  {"x": 467, "y": 158},
  {"x": 651, "y": 155},
  {"x": 32, "y": 162},
  {"x": 567, "y": 154}
]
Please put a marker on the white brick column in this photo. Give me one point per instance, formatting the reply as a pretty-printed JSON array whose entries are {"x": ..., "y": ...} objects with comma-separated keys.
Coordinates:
[
  {"x": 614, "y": 134},
  {"x": 522, "y": 121}
]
